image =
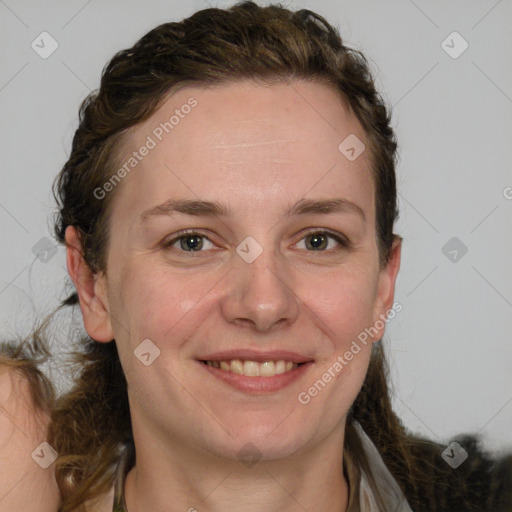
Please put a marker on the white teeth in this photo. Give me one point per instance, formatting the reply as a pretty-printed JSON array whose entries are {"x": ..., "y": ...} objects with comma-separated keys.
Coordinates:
[
  {"x": 237, "y": 366},
  {"x": 251, "y": 369},
  {"x": 267, "y": 369},
  {"x": 280, "y": 366},
  {"x": 254, "y": 368}
]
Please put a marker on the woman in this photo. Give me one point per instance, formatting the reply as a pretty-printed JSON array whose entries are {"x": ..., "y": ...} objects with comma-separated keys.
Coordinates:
[{"x": 228, "y": 210}]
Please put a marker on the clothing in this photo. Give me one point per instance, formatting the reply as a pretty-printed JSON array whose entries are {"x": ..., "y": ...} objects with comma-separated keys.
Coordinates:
[
  {"x": 361, "y": 497},
  {"x": 392, "y": 495}
]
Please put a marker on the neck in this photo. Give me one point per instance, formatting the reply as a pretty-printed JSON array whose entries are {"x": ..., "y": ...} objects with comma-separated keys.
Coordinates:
[{"x": 179, "y": 478}]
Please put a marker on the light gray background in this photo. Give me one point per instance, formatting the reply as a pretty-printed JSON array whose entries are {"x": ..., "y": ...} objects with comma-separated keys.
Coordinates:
[{"x": 450, "y": 349}]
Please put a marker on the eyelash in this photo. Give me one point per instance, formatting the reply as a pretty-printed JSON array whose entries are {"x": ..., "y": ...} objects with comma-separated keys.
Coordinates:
[{"x": 342, "y": 241}]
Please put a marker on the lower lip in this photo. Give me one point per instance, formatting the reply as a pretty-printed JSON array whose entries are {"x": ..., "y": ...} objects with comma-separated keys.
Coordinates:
[{"x": 258, "y": 385}]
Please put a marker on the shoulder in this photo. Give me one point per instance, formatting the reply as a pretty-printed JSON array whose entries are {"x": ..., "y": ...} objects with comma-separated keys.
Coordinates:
[{"x": 29, "y": 478}]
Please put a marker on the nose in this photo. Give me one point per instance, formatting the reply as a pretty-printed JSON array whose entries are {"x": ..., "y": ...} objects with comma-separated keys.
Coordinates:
[{"x": 261, "y": 294}]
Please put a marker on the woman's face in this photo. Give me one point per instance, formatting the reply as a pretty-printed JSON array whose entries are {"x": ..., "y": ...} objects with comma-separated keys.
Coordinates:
[{"x": 269, "y": 274}]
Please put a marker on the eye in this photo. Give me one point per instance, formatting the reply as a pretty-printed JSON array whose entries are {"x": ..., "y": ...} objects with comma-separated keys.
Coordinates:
[
  {"x": 189, "y": 241},
  {"x": 319, "y": 241}
]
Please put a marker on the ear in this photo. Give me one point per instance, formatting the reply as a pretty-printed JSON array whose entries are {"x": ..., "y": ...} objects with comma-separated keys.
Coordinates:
[
  {"x": 91, "y": 288},
  {"x": 386, "y": 289}
]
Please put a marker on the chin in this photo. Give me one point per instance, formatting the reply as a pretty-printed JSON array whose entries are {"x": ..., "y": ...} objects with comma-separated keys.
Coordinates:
[{"x": 266, "y": 441}]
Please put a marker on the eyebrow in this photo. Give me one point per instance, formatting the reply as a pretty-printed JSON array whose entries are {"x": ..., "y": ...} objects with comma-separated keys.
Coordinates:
[{"x": 217, "y": 209}]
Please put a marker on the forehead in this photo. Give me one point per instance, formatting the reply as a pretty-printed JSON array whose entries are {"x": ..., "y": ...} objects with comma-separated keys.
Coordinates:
[{"x": 244, "y": 140}]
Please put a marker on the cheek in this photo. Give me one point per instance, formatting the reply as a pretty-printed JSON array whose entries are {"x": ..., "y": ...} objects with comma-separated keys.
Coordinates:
[
  {"x": 154, "y": 305},
  {"x": 157, "y": 303},
  {"x": 154, "y": 302},
  {"x": 343, "y": 302}
]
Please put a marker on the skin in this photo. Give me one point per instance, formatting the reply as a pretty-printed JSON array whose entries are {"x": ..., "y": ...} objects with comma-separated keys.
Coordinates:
[
  {"x": 258, "y": 149},
  {"x": 22, "y": 430}
]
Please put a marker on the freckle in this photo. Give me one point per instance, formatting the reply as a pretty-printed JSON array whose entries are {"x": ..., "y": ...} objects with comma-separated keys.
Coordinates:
[{"x": 186, "y": 305}]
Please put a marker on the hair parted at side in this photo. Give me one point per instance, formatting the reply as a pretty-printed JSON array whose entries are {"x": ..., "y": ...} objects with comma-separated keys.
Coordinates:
[{"x": 245, "y": 42}]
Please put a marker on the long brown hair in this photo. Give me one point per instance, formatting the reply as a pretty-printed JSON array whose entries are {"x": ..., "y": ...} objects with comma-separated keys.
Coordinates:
[{"x": 91, "y": 422}]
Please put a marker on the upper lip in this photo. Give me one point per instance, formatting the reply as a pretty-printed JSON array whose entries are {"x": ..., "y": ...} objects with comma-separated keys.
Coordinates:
[{"x": 255, "y": 355}]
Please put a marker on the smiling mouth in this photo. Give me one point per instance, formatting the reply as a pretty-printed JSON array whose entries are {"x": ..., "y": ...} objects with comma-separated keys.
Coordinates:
[{"x": 249, "y": 368}]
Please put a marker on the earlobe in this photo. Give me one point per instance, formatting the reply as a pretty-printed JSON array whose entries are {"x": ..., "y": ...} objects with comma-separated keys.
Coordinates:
[
  {"x": 91, "y": 289},
  {"x": 386, "y": 288}
]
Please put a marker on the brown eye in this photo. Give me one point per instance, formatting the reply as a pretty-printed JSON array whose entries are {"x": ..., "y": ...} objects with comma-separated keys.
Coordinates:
[
  {"x": 192, "y": 242},
  {"x": 319, "y": 241},
  {"x": 188, "y": 242}
]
